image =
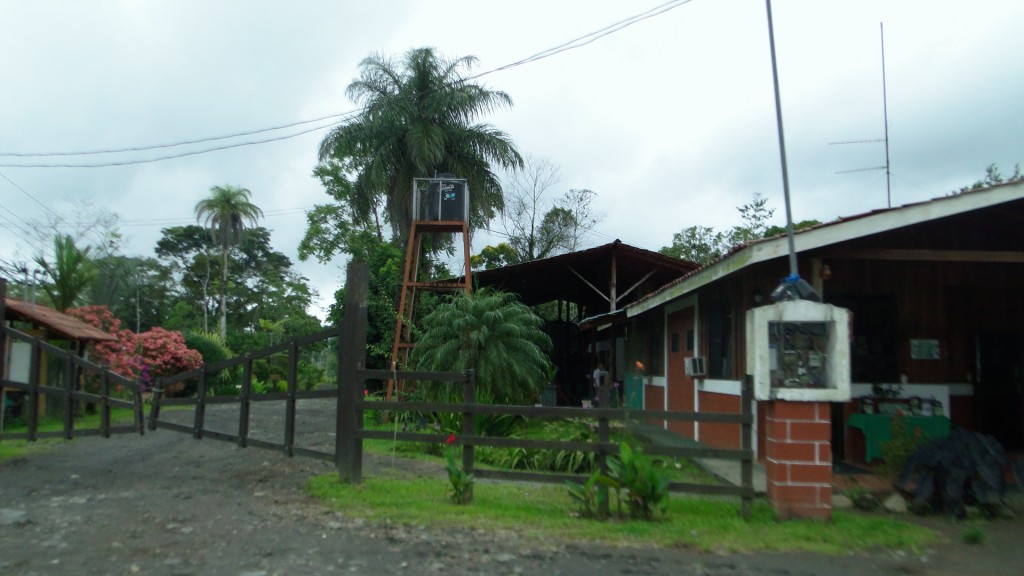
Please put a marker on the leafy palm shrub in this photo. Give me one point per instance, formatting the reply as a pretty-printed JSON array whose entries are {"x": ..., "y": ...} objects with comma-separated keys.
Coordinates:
[
  {"x": 213, "y": 349},
  {"x": 492, "y": 333}
]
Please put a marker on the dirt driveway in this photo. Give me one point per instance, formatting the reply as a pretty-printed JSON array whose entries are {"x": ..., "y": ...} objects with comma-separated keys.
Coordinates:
[{"x": 165, "y": 504}]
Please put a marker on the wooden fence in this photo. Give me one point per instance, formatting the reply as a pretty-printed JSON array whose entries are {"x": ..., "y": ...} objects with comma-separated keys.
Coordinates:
[
  {"x": 351, "y": 406},
  {"x": 111, "y": 390},
  {"x": 245, "y": 397}
]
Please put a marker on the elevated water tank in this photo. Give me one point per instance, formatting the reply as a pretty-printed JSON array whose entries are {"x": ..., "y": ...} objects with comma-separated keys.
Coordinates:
[{"x": 444, "y": 198}]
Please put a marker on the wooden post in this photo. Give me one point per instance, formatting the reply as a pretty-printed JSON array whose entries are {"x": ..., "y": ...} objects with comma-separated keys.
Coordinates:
[
  {"x": 348, "y": 448},
  {"x": 200, "y": 415},
  {"x": 747, "y": 445},
  {"x": 69, "y": 399},
  {"x": 105, "y": 403},
  {"x": 245, "y": 404},
  {"x": 468, "y": 401},
  {"x": 289, "y": 418},
  {"x": 154, "y": 410},
  {"x": 603, "y": 437},
  {"x": 3, "y": 348},
  {"x": 34, "y": 371}
]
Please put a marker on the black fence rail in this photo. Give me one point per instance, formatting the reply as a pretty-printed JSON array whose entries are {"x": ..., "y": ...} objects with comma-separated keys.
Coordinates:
[
  {"x": 245, "y": 397},
  {"x": 83, "y": 384},
  {"x": 352, "y": 405}
]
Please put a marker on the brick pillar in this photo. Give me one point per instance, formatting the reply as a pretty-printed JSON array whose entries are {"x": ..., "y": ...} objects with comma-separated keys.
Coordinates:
[{"x": 798, "y": 450}]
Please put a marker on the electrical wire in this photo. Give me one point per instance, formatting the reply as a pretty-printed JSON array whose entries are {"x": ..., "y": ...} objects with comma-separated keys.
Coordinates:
[
  {"x": 182, "y": 142},
  {"x": 345, "y": 116},
  {"x": 169, "y": 156}
]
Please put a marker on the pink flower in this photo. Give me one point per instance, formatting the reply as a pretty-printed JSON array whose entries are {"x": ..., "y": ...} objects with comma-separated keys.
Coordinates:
[{"x": 451, "y": 440}]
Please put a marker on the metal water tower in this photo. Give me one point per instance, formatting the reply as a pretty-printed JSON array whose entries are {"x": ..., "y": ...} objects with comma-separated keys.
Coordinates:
[{"x": 439, "y": 206}]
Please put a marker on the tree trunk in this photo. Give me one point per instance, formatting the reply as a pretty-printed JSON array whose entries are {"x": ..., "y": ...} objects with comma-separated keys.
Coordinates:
[{"x": 223, "y": 296}]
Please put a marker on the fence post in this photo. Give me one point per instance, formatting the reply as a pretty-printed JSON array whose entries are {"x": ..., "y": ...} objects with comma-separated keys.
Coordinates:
[
  {"x": 747, "y": 445},
  {"x": 348, "y": 448},
  {"x": 200, "y": 416},
  {"x": 245, "y": 406},
  {"x": 33, "y": 394},
  {"x": 105, "y": 403},
  {"x": 603, "y": 437},
  {"x": 468, "y": 425},
  {"x": 3, "y": 347},
  {"x": 69, "y": 399},
  {"x": 292, "y": 384},
  {"x": 154, "y": 409}
]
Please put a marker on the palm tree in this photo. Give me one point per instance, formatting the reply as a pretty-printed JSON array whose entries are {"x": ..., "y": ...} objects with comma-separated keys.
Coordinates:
[
  {"x": 70, "y": 273},
  {"x": 226, "y": 212},
  {"x": 494, "y": 334},
  {"x": 418, "y": 120}
]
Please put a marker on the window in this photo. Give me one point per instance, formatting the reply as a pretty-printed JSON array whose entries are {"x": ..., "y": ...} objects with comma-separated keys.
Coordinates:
[{"x": 720, "y": 339}]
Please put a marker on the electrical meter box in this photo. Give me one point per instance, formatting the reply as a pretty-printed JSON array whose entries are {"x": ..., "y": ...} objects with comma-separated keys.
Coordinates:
[
  {"x": 440, "y": 199},
  {"x": 799, "y": 350}
]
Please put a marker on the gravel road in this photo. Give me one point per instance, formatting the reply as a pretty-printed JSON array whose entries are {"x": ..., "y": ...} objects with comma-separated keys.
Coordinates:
[{"x": 168, "y": 505}]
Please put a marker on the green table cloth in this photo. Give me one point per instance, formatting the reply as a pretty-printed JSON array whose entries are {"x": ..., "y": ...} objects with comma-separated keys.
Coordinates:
[{"x": 877, "y": 429}]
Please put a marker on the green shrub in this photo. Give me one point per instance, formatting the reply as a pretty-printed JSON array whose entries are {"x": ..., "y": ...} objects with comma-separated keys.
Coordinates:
[
  {"x": 635, "y": 481},
  {"x": 973, "y": 535},
  {"x": 902, "y": 445}
]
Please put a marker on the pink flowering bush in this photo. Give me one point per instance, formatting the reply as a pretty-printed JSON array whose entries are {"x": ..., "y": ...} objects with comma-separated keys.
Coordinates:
[
  {"x": 155, "y": 353},
  {"x": 165, "y": 352}
]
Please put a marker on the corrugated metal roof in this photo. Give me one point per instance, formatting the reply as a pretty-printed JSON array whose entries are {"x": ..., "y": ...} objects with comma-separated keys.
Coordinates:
[
  {"x": 848, "y": 227},
  {"x": 565, "y": 276},
  {"x": 58, "y": 323}
]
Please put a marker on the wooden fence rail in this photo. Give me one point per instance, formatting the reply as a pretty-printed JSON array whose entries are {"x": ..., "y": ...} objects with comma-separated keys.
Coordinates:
[
  {"x": 111, "y": 392},
  {"x": 351, "y": 407}
]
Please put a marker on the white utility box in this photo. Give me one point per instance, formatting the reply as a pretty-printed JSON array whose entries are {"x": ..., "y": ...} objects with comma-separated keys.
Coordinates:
[{"x": 799, "y": 350}]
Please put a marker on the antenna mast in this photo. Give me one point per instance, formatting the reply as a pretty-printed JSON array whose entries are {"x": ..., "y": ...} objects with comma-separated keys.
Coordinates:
[{"x": 885, "y": 116}]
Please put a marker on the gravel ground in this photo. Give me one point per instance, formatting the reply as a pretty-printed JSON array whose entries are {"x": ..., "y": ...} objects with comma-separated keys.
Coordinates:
[{"x": 165, "y": 504}]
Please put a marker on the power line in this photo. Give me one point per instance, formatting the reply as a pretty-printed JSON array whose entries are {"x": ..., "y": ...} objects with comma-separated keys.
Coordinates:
[
  {"x": 170, "y": 156},
  {"x": 182, "y": 142},
  {"x": 588, "y": 38},
  {"x": 345, "y": 116}
]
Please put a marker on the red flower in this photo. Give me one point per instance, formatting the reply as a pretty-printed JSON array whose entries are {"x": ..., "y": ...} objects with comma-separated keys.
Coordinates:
[{"x": 450, "y": 440}]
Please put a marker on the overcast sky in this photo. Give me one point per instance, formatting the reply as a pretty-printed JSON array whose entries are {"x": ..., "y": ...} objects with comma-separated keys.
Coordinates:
[{"x": 671, "y": 120}]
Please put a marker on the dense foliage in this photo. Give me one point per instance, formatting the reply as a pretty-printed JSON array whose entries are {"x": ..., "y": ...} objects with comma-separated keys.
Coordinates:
[
  {"x": 492, "y": 333},
  {"x": 157, "y": 351},
  {"x": 418, "y": 119}
]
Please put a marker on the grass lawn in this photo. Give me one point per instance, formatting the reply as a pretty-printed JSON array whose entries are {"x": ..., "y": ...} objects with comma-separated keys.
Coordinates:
[
  {"x": 20, "y": 448},
  {"x": 705, "y": 524}
]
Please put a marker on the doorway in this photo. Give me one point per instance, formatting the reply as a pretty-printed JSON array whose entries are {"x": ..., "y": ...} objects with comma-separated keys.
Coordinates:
[{"x": 999, "y": 388}]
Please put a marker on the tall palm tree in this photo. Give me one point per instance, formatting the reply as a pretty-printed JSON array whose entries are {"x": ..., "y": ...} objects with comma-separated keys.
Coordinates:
[
  {"x": 226, "y": 212},
  {"x": 418, "y": 120},
  {"x": 494, "y": 334},
  {"x": 70, "y": 273}
]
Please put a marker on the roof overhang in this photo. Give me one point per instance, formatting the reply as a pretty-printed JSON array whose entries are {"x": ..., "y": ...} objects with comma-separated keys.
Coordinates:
[
  {"x": 841, "y": 230},
  {"x": 57, "y": 324}
]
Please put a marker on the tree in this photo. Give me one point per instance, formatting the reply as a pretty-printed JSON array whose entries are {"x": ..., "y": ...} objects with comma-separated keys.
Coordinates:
[
  {"x": 226, "y": 212},
  {"x": 703, "y": 244},
  {"x": 418, "y": 120},
  {"x": 70, "y": 273},
  {"x": 494, "y": 334},
  {"x": 993, "y": 177},
  {"x": 700, "y": 244},
  {"x": 755, "y": 217},
  {"x": 536, "y": 225},
  {"x": 494, "y": 257},
  {"x": 139, "y": 291},
  {"x": 187, "y": 252}
]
